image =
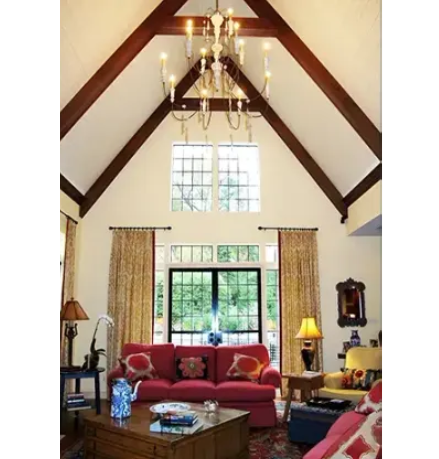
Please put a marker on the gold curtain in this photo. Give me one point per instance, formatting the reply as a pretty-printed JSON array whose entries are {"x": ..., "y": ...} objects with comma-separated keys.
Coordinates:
[
  {"x": 131, "y": 290},
  {"x": 299, "y": 297},
  {"x": 68, "y": 284}
]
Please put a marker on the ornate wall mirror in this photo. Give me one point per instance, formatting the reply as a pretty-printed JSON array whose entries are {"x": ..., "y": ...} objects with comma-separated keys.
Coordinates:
[{"x": 351, "y": 304}]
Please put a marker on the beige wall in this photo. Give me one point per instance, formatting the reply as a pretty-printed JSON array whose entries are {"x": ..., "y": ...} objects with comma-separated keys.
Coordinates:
[
  {"x": 289, "y": 197},
  {"x": 364, "y": 209}
]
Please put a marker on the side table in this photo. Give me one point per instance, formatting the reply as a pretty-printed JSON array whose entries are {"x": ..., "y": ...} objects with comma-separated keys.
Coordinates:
[
  {"x": 77, "y": 376},
  {"x": 306, "y": 384}
]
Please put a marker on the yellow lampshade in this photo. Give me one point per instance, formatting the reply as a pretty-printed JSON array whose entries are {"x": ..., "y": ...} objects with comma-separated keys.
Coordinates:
[
  {"x": 309, "y": 330},
  {"x": 72, "y": 310}
]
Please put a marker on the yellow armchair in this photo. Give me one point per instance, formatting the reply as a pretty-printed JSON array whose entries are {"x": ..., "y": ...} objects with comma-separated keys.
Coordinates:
[{"x": 367, "y": 358}]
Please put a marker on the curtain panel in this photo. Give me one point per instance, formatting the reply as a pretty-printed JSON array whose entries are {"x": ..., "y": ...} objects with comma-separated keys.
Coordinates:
[
  {"x": 68, "y": 283},
  {"x": 131, "y": 291},
  {"x": 299, "y": 296}
]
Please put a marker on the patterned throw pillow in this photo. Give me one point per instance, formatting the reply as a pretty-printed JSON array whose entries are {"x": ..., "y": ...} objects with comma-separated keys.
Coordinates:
[
  {"x": 372, "y": 401},
  {"x": 138, "y": 367},
  {"x": 192, "y": 367},
  {"x": 245, "y": 368},
  {"x": 361, "y": 441},
  {"x": 359, "y": 379}
]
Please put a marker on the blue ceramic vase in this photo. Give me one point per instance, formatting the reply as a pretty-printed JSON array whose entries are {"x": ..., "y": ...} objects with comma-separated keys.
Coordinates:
[
  {"x": 121, "y": 398},
  {"x": 355, "y": 339}
]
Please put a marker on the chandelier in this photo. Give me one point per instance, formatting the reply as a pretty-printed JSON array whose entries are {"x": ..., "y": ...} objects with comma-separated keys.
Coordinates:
[{"x": 214, "y": 77}]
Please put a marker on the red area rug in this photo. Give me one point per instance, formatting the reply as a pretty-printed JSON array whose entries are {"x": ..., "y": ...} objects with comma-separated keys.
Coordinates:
[{"x": 268, "y": 443}]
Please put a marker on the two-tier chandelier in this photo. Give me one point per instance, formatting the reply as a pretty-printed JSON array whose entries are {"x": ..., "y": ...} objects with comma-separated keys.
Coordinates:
[{"x": 214, "y": 77}]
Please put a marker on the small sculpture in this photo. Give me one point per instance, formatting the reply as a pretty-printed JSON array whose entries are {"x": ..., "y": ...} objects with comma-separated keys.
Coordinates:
[
  {"x": 121, "y": 398},
  {"x": 92, "y": 359}
]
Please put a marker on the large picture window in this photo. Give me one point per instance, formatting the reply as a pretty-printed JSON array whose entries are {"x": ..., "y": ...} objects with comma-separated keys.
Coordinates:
[
  {"x": 192, "y": 178},
  {"x": 205, "y": 300},
  {"x": 238, "y": 178}
]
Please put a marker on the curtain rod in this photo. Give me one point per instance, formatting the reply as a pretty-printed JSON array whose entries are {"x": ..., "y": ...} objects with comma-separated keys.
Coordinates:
[
  {"x": 140, "y": 228},
  {"x": 284, "y": 228},
  {"x": 68, "y": 216}
]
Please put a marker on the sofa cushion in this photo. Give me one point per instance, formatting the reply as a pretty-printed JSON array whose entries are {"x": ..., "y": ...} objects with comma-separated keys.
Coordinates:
[
  {"x": 345, "y": 394},
  {"x": 243, "y": 391},
  {"x": 138, "y": 367},
  {"x": 245, "y": 367},
  {"x": 344, "y": 423},
  {"x": 153, "y": 390},
  {"x": 372, "y": 401},
  {"x": 320, "y": 449},
  {"x": 162, "y": 357},
  {"x": 199, "y": 351},
  {"x": 225, "y": 354},
  {"x": 192, "y": 390}
]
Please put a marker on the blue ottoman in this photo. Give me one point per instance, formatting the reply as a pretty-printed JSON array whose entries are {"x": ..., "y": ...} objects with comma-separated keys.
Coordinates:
[{"x": 309, "y": 424}]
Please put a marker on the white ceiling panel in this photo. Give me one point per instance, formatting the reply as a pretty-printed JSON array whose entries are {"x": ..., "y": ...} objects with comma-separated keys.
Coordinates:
[
  {"x": 112, "y": 120},
  {"x": 200, "y": 7},
  {"x": 345, "y": 35},
  {"x": 319, "y": 126},
  {"x": 91, "y": 30}
]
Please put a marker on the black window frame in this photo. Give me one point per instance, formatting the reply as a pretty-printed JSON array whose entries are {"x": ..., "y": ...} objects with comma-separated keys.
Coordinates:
[{"x": 215, "y": 297}]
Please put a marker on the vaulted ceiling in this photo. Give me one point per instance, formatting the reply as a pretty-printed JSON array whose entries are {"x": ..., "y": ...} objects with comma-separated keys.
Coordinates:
[{"x": 325, "y": 100}]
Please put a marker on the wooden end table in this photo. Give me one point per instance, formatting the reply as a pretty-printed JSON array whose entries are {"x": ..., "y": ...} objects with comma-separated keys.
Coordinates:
[{"x": 306, "y": 385}]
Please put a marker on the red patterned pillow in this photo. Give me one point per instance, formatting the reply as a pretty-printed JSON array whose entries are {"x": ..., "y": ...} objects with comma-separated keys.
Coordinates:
[
  {"x": 362, "y": 441},
  {"x": 245, "y": 368},
  {"x": 372, "y": 401},
  {"x": 138, "y": 367},
  {"x": 192, "y": 368}
]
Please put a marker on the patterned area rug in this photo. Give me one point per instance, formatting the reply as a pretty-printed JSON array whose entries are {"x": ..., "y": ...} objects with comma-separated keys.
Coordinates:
[{"x": 268, "y": 443}]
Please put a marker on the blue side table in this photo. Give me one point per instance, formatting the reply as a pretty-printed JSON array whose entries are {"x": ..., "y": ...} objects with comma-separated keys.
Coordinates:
[
  {"x": 77, "y": 376},
  {"x": 309, "y": 424}
]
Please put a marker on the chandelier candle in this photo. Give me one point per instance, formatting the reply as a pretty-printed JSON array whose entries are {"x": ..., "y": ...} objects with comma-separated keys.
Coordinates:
[
  {"x": 189, "y": 32},
  {"x": 163, "y": 58},
  {"x": 172, "y": 84}
]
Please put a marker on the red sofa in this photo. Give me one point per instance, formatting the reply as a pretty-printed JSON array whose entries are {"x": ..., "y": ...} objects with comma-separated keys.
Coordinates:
[{"x": 258, "y": 398}]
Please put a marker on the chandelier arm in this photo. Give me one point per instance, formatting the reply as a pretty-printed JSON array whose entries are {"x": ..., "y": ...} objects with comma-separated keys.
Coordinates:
[
  {"x": 205, "y": 126},
  {"x": 231, "y": 125},
  {"x": 182, "y": 119}
]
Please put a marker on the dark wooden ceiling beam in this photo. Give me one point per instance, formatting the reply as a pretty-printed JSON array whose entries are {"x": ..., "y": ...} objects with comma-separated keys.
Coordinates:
[
  {"x": 290, "y": 140},
  {"x": 365, "y": 185},
  {"x": 134, "y": 144},
  {"x": 321, "y": 76},
  {"x": 114, "y": 66},
  {"x": 248, "y": 27},
  {"x": 71, "y": 191}
]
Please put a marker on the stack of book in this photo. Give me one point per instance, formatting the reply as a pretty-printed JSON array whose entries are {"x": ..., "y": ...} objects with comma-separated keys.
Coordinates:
[
  {"x": 77, "y": 402},
  {"x": 181, "y": 424}
]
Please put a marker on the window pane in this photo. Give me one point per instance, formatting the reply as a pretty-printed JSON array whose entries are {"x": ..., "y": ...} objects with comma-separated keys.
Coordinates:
[
  {"x": 238, "y": 178},
  {"x": 241, "y": 254},
  {"x": 191, "y": 254},
  {"x": 271, "y": 253},
  {"x": 192, "y": 178}
]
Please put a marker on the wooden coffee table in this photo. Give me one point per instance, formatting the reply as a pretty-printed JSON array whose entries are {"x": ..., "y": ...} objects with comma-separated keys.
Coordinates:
[{"x": 224, "y": 435}]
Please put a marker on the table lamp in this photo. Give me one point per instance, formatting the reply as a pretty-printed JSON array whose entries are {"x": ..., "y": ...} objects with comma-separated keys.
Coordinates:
[
  {"x": 70, "y": 312},
  {"x": 308, "y": 331}
]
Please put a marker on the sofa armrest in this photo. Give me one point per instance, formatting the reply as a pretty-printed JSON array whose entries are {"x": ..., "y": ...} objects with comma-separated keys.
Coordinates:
[
  {"x": 271, "y": 376},
  {"x": 333, "y": 380}
]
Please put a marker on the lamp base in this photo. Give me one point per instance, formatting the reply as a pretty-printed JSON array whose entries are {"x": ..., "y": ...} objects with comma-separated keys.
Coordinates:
[{"x": 307, "y": 354}]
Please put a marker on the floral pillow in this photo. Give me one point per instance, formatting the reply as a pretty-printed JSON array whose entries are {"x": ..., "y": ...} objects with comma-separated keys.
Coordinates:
[
  {"x": 361, "y": 441},
  {"x": 372, "y": 401},
  {"x": 192, "y": 367},
  {"x": 245, "y": 368},
  {"x": 359, "y": 379},
  {"x": 138, "y": 367}
]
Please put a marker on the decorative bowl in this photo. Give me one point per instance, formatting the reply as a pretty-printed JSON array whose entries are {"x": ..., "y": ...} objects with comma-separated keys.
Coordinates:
[{"x": 171, "y": 407}]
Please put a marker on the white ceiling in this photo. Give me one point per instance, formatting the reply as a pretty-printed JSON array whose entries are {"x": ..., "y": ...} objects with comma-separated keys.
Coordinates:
[{"x": 346, "y": 38}]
